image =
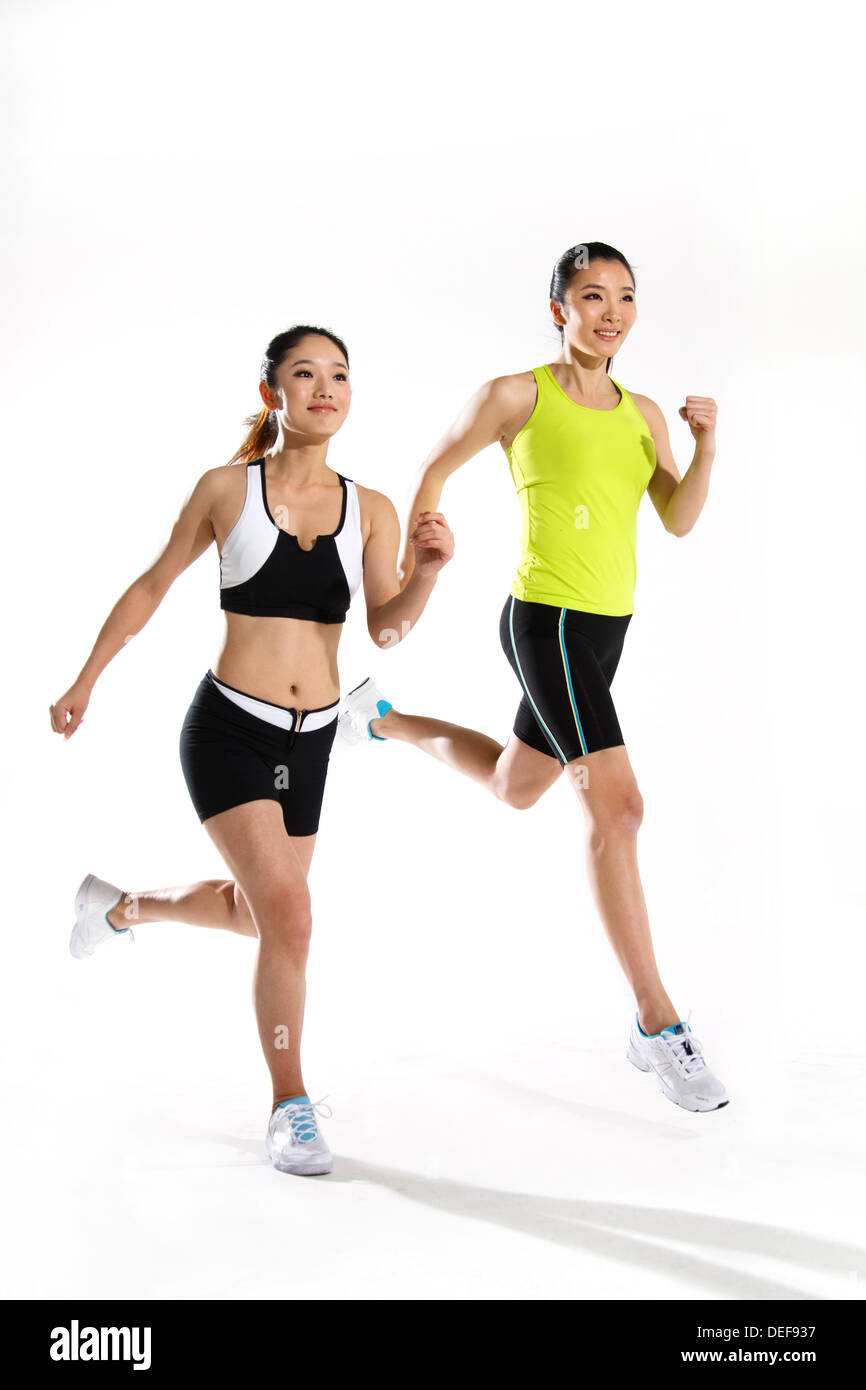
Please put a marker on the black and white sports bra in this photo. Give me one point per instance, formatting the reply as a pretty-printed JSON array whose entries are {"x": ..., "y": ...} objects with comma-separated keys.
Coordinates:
[{"x": 266, "y": 572}]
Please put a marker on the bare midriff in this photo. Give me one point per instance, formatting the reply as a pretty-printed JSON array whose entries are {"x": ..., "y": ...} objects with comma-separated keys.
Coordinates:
[{"x": 286, "y": 661}]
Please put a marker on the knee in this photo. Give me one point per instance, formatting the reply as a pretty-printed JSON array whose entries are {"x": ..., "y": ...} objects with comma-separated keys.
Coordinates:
[
  {"x": 621, "y": 814},
  {"x": 283, "y": 915},
  {"x": 519, "y": 795},
  {"x": 633, "y": 810}
]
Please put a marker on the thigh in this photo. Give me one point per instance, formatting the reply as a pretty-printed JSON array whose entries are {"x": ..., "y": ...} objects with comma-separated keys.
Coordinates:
[
  {"x": 605, "y": 784},
  {"x": 303, "y": 845},
  {"x": 264, "y": 861},
  {"x": 528, "y": 731},
  {"x": 608, "y": 637},
  {"x": 301, "y": 780},
  {"x": 557, "y": 654},
  {"x": 591, "y": 723},
  {"x": 227, "y": 755},
  {"x": 527, "y": 771},
  {"x": 527, "y": 638}
]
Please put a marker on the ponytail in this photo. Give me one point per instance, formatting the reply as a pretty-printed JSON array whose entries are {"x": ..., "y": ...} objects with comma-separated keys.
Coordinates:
[{"x": 262, "y": 434}]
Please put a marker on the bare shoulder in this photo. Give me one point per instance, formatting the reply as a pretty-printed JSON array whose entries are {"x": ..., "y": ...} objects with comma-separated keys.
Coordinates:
[
  {"x": 218, "y": 483},
  {"x": 220, "y": 494},
  {"x": 226, "y": 477},
  {"x": 372, "y": 501},
  {"x": 376, "y": 509},
  {"x": 648, "y": 409},
  {"x": 498, "y": 398},
  {"x": 516, "y": 394},
  {"x": 514, "y": 390}
]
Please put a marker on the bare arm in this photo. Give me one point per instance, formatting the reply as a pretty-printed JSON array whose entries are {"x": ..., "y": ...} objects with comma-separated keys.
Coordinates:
[
  {"x": 391, "y": 610},
  {"x": 481, "y": 422},
  {"x": 679, "y": 501},
  {"x": 190, "y": 537}
]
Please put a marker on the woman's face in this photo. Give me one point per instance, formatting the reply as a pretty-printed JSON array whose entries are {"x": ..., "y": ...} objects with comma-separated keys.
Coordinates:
[
  {"x": 312, "y": 394},
  {"x": 599, "y": 309}
]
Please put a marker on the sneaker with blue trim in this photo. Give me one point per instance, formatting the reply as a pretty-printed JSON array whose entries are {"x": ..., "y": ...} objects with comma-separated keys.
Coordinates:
[
  {"x": 294, "y": 1143},
  {"x": 93, "y": 901},
  {"x": 362, "y": 704},
  {"x": 677, "y": 1058}
]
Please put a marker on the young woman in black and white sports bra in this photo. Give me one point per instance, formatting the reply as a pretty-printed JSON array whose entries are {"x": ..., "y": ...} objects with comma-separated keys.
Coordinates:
[{"x": 295, "y": 540}]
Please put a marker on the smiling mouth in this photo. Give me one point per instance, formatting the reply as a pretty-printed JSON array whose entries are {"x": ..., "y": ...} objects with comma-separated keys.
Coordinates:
[{"x": 608, "y": 332}]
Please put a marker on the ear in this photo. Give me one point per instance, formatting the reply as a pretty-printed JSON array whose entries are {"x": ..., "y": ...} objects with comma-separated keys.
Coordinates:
[
  {"x": 270, "y": 401},
  {"x": 556, "y": 311}
]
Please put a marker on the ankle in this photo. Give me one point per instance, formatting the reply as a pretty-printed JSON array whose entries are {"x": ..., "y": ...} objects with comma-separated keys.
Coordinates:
[
  {"x": 119, "y": 917},
  {"x": 384, "y": 726},
  {"x": 654, "y": 1020},
  {"x": 297, "y": 1094},
  {"x": 656, "y": 1012}
]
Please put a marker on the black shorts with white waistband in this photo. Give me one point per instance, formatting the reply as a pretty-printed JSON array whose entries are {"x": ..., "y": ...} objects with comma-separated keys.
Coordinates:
[
  {"x": 565, "y": 660},
  {"x": 231, "y": 755}
]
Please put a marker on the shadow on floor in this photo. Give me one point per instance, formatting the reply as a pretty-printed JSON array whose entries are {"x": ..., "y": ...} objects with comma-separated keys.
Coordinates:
[{"x": 640, "y": 1237}]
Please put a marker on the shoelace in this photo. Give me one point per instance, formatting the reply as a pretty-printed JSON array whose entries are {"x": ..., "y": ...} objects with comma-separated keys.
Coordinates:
[
  {"x": 686, "y": 1050},
  {"x": 302, "y": 1121}
]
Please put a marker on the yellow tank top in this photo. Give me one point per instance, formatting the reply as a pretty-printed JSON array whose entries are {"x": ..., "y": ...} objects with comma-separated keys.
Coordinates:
[{"x": 580, "y": 474}]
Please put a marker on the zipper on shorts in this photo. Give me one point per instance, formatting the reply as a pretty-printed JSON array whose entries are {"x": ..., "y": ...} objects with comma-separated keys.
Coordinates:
[{"x": 300, "y": 714}]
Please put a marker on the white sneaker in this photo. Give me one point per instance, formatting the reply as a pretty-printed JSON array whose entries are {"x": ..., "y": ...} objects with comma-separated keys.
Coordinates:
[
  {"x": 93, "y": 901},
  {"x": 293, "y": 1142},
  {"x": 677, "y": 1058},
  {"x": 362, "y": 704}
]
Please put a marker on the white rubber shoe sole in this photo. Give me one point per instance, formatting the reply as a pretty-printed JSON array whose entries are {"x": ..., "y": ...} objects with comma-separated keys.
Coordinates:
[{"x": 312, "y": 1166}]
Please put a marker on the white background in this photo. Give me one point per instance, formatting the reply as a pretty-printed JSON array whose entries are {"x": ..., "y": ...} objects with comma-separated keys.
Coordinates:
[{"x": 181, "y": 181}]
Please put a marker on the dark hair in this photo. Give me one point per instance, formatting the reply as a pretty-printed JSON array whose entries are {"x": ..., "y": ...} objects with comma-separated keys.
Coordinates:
[
  {"x": 263, "y": 427},
  {"x": 566, "y": 268}
]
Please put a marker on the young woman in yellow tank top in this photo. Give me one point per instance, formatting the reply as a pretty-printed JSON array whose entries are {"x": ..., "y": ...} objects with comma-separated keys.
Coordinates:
[{"x": 582, "y": 451}]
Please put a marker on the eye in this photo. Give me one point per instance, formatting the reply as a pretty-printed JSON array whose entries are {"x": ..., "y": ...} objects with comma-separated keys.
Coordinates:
[
  {"x": 341, "y": 376},
  {"x": 592, "y": 295},
  {"x": 303, "y": 371}
]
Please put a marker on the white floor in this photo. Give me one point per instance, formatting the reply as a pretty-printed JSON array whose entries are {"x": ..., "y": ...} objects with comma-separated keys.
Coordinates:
[
  {"x": 467, "y": 1021},
  {"x": 550, "y": 1171}
]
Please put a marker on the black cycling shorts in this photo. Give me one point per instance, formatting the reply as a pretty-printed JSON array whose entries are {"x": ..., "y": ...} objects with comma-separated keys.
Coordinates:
[
  {"x": 565, "y": 660},
  {"x": 230, "y": 756}
]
